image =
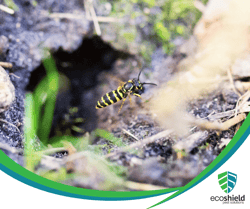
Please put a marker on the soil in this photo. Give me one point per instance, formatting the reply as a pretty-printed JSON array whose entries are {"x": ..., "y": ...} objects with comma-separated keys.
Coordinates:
[{"x": 92, "y": 67}]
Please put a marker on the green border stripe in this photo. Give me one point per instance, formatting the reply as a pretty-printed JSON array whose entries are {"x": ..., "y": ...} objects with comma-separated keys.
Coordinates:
[
  {"x": 18, "y": 172},
  {"x": 230, "y": 149}
]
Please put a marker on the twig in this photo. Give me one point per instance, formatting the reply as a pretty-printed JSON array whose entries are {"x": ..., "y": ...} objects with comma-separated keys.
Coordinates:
[
  {"x": 241, "y": 101},
  {"x": 53, "y": 150},
  {"x": 14, "y": 75},
  {"x": 71, "y": 151},
  {"x": 237, "y": 128},
  {"x": 4, "y": 121},
  {"x": 93, "y": 15},
  {"x": 66, "y": 15},
  {"x": 241, "y": 107},
  {"x": 229, "y": 73},
  {"x": 10, "y": 149},
  {"x": 192, "y": 141},
  {"x": 7, "y": 9},
  {"x": 218, "y": 126},
  {"x": 6, "y": 64},
  {"x": 141, "y": 186},
  {"x": 141, "y": 143},
  {"x": 80, "y": 17},
  {"x": 86, "y": 7},
  {"x": 75, "y": 156},
  {"x": 224, "y": 142},
  {"x": 50, "y": 164},
  {"x": 133, "y": 136},
  {"x": 107, "y": 19},
  {"x": 200, "y": 6},
  {"x": 220, "y": 115}
]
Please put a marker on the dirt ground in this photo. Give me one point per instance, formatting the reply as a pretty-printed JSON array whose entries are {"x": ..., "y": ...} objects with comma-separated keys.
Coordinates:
[{"x": 93, "y": 67}]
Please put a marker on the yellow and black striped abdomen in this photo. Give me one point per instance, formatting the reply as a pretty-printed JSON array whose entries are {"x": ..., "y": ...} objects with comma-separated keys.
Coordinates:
[{"x": 110, "y": 98}]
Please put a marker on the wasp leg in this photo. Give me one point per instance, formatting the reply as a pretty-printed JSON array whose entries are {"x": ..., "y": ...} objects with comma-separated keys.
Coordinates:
[
  {"x": 130, "y": 100},
  {"x": 122, "y": 104},
  {"x": 138, "y": 95}
]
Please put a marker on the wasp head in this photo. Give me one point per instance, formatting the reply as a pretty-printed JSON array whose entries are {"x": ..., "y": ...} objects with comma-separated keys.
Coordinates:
[{"x": 137, "y": 87}]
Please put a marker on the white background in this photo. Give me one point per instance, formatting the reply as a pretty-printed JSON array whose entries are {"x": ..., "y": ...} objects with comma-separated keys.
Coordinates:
[{"x": 15, "y": 194}]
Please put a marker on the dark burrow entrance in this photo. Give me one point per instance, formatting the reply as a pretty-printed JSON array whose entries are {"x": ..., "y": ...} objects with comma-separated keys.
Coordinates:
[{"x": 76, "y": 100}]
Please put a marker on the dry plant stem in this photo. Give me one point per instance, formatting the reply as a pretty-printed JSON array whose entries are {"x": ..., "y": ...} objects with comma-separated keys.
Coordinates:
[
  {"x": 86, "y": 7},
  {"x": 7, "y": 9},
  {"x": 46, "y": 157},
  {"x": 240, "y": 108},
  {"x": 220, "y": 115},
  {"x": 141, "y": 186},
  {"x": 75, "y": 156},
  {"x": 6, "y": 64},
  {"x": 199, "y": 6},
  {"x": 245, "y": 85},
  {"x": 138, "y": 144},
  {"x": 71, "y": 150},
  {"x": 91, "y": 11},
  {"x": 237, "y": 128},
  {"x": 241, "y": 101},
  {"x": 54, "y": 150},
  {"x": 14, "y": 75},
  {"x": 219, "y": 126},
  {"x": 229, "y": 73},
  {"x": 4, "y": 121},
  {"x": 128, "y": 133},
  {"x": 192, "y": 141},
  {"x": 141, "y": 143},
  {"x": 10, "y": 149},
  {"x": 50, "y": 164},
  {"x": 80, "y": 17}
]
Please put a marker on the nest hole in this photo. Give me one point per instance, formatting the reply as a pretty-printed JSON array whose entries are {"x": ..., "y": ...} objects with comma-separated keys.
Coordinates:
[{"x": 75, "y": 107}]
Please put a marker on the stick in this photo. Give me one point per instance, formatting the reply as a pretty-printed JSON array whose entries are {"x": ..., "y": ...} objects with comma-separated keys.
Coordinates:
[
  {"x": 231, "y": 80},
  {"x": 80, "y": 17},
  {"x": 125, "y": 131},
  {"x": 200, "y": 6},
  {"x": 142, "y": 186},
  {"x": 192, "y": 141},
  {"x": 6, "y": 64},
  {"x": 10, "y": 149},
  {"x": 93, "y": 15},
  {"x": 53, "y": 150},
  {"x": 141, "y": 143},
  {"x": 4, "y": 121},
  {"x": 219, "y": 126},
  {"x": 7, "y": 9}
]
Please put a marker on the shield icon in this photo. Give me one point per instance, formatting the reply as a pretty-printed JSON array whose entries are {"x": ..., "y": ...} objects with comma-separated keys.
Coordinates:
[{"x": 227, "y": 181}]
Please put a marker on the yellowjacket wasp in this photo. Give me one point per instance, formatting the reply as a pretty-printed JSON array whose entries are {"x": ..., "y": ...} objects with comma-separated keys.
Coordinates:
[{"x": 134, "y": 87}]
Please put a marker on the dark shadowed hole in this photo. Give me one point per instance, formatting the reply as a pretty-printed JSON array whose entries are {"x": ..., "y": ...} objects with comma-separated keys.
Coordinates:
[{"x": 81, "y": 68}]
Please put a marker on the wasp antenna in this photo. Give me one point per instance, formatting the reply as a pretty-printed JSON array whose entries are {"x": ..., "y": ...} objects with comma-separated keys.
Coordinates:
[
  {"x": 139, "y": 74},
  {"x": 150, "y": 84}
]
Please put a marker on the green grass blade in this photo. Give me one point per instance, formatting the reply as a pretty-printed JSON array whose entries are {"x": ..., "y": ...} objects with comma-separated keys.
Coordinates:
[{"x": 48, "y": 88}]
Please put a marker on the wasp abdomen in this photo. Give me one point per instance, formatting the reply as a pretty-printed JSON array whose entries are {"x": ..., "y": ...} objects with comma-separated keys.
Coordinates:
[{"x": 110, "y": 98}]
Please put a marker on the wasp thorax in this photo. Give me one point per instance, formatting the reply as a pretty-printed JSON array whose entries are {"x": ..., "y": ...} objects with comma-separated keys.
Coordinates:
[{"x": 128, "y": 86}]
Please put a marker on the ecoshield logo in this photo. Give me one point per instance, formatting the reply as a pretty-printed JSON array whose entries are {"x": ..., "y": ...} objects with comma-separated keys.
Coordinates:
[{"x": 227, "y": 181}]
